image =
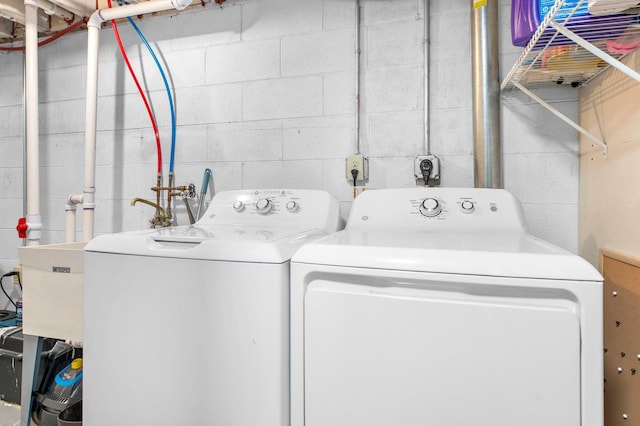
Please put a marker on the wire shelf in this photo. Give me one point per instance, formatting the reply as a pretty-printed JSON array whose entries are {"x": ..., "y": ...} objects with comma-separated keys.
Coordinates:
[{"x": 573, "y": 49}]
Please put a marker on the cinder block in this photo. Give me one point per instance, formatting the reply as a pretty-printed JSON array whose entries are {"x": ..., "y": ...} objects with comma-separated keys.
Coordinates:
[
  {"x": 12, "y": 121},
  {"x": 12, "y": 151},
  {"x": 282, "y": 174},
  {"x": 61, "y": 84},
  {"x": 191, "y": 144},
  {"x": 339, "y": 93},
  {"x": 8, "y": 251},
  {"x": 338, "y": 14},
  {"x": 62, "y": 149},
  {"x": 11, "y": 211},
  {"x": 213, "y": 25},
  {"x": 10, "y": 182},
  {"x": 218, "y": 103},
  {"x": 249, "y": 60},
  {"x": 397, "y": 134},
  {"x": 318, "y": 138},
  {"x": 184, "y": 68},
  {"x": 389, "y": 11},
  {"x": 522, "y": 132},
  {"x": 456, "y": 171},
  {"x": 249, "y": 141},
  {"x": 450, "y": 83},
  {"x": 391, "y": 89},
  {"x": 282, "y": 98},
  {"x": 451, "y": 131},
  {"x": 60, "y": 181},
  {"x": 12, "y": 63},
  {"x": 12, "y": 89},
  {"x": 63, "y": 116},
  {"x": 119, "y": 147},
  {"x": 395, "y": 44},
  {"x": 274, "y": 18},
  {"x": 556, "y": 223},
  {"x": 544, "y": 178},
  {"x": 322, "y": 52},
  {"x": 391, "y": 172}
]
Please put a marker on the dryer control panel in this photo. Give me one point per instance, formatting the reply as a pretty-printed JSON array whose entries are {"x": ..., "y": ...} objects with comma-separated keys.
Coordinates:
[
  {"x": 438, "y": 209},
  {"x": 291, "y": 207}
]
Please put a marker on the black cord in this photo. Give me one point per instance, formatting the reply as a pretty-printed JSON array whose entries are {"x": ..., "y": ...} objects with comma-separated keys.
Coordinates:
[{"x": 9, "y": 274}]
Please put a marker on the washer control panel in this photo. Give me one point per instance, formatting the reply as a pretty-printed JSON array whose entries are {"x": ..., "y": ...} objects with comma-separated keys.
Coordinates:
[
  {"x": 278, "y": 206},
  {"x": 438, "y": 208}
]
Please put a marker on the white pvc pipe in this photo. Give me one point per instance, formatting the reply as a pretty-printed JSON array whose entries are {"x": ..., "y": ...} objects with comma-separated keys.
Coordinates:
[
  {"x": 70, "y": 209},
  {"x": 88, "y": 203},
  {"x": 94, "y": 24},
  {"x": 34, "y": 219},
  {"x": 70, "y": 225},
  {"x": 53, "y": 9}
]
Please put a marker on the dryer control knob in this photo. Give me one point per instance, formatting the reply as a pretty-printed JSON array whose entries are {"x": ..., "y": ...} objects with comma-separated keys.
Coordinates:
[
  {"x": 264, "y": 205},
  {"x": 238, "y": 206},
  {"x": 467, "y": 206},
  {"x": 292, "y": 206},
  {"x": 430, "y": 207}
]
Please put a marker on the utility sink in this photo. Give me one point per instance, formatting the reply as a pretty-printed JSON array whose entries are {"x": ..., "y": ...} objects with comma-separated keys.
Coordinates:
[{"x": 52, "y": 294}]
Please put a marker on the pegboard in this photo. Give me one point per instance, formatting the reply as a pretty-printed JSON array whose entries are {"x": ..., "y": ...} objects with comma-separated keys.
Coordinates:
[{"x": 621, "y": 339}]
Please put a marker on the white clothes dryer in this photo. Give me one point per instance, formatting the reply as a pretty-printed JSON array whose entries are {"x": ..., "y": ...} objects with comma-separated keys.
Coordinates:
[
  {"x": 189, "y": 325},
  {"x": 435, "y": 306}
]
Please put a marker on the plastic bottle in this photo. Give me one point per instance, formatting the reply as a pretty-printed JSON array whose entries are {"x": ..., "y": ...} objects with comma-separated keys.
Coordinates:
[{"x": 19, "y": 312}]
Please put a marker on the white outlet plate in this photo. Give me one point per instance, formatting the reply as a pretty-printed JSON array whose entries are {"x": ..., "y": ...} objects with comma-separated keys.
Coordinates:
[
  {"x": 435, "y": 171},
  {"x": 357, "y": 162},
  {"x": 18, "y": 269}
]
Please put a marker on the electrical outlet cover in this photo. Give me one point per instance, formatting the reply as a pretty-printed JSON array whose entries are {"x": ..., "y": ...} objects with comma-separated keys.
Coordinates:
[
  {"x": 356, "y": 162},
  {"x": 435, "y": 171}
]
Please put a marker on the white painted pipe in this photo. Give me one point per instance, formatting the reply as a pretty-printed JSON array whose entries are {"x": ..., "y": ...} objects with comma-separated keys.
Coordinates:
[
  {"x": 70, "y": 213},
  {"x": 103, "y": 15},
  {"x": 53, "y": 9},
  {"x": 94, "y": 24},
  {"x": 14, "y": 10},
  {"x": 34, "y": 220}
]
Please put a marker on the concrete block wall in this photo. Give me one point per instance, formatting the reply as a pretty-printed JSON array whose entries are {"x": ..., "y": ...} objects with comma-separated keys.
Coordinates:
[{"x": 265, "y": 98}]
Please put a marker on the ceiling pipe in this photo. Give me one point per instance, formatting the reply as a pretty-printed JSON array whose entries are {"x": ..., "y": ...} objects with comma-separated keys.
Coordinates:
[
  {"x": 53, "y": 9},
  {"x": 93, "y": 29},
  {"x": 486, "y": 94},
  {"x": 14, "y": 10}
]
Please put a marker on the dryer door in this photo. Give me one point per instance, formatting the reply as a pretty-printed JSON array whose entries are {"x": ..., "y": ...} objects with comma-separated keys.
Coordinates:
[{"x": 428, "y": 352}]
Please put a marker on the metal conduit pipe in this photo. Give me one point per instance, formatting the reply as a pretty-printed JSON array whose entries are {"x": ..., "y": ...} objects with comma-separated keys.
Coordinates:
[
  {"x": 486, "y": 94},
  {"x": 93, "y": 29},
  {"x": 357, "y": 75},
  {"x": 427, "y": 58}
]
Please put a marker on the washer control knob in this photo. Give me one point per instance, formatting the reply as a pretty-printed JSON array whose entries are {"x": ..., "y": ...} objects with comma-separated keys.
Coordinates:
[
  {"x": 264, "y": 205},
  {"x": 467, "y": 206},
  {"x": 292, "y": 206},
  {"x": 238, "y": 206},
  {"x": 430, "y": 207}
]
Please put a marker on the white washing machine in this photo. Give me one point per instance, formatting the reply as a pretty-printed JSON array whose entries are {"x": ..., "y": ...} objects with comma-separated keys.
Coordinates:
[
  {"x": 190, "y": 325},
  {"x": 436, "y": 307}
]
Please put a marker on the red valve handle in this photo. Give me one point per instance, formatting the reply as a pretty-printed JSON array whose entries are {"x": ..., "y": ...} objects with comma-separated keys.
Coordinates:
[{"x": 22, "y": 227}]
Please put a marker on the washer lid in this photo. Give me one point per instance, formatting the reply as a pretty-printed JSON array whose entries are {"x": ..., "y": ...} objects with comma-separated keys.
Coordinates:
[
  {"x": 236, "y": 243},
  {"x": 506, "y": 254}
]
